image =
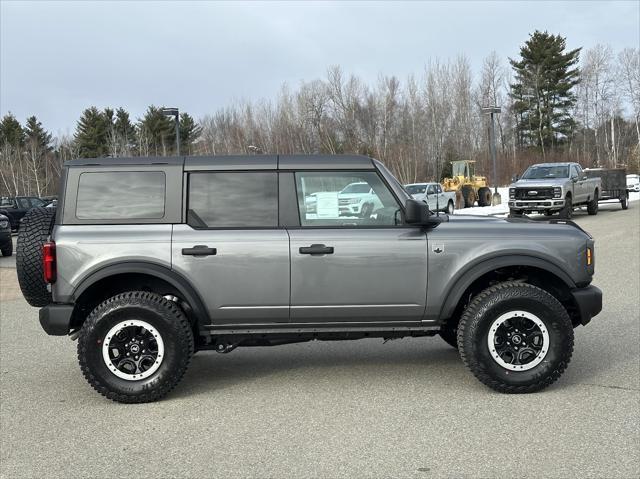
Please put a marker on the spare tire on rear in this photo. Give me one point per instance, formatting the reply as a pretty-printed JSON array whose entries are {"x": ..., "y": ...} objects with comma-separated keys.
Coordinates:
[{"x": 34, "y": 232}]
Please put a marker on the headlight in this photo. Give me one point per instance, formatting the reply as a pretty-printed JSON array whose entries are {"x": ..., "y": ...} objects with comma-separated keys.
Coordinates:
[
  {"x": 557, "y": 192},
  {"x": 4, "y": 224},
  {"x": 512, "y": 193}
]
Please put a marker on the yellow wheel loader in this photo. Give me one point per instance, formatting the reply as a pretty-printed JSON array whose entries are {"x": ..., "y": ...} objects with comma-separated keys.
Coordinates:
[{"x": 468, "y": 187}]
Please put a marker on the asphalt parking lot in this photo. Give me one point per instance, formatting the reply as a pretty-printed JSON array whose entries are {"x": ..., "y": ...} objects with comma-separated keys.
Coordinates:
[{"x": 407, "y": 408}]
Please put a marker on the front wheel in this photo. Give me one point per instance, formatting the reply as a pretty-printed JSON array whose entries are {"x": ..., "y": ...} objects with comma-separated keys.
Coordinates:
[
  {"x": 7, "y": 249},
  {"x": 567, "y": 209},
  {"x": 624, "y": 202},
  {"x": 516, "y": 338},
  {"x": 592, "y": 206},
  {"x": 135, "y": 347}
]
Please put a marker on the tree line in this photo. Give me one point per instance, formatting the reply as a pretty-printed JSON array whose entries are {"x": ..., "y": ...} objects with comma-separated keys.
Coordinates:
[{"x": 556, "y": 105}]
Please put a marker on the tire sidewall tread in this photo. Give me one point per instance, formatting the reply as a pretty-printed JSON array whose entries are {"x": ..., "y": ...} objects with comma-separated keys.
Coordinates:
[{"x": 485, "y": 308}]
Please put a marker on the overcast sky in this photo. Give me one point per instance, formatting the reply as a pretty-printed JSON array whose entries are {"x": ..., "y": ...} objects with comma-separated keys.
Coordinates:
[{"x": 57, "y": 58}]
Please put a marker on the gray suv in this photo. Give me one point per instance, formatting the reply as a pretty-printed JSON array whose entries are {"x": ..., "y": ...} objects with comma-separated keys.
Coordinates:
[{"x": 149, "y": 260}]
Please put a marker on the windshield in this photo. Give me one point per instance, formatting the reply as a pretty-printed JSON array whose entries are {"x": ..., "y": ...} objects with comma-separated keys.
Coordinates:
[
  {"x": 357, "y": 188},
  {"x": 415, "y": 189},
  {"x": 542, "y": 172}
]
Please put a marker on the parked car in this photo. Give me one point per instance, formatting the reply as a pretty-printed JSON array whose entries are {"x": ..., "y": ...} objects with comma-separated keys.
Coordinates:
[
  {"x": 614, "y": 184},
  {"x": 148, "y": 260},
  {"x": 633, "y": 183},
  {"x": 6, "y": 244},
  {"x": 432, "y": 195},
  {"x": 554, "y": 188},
  {"x": 16, "y": 207},
  {"x": 358, "y": 199}
]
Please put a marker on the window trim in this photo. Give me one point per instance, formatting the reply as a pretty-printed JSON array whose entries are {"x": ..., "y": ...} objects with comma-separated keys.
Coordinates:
[
  {"x": 137, "y": 220},
  {"x": 187, "y": 190},
  {"x": 382, "y": 179}
]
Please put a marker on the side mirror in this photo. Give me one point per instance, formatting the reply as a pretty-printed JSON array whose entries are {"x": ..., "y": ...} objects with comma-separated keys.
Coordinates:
[
  {"x": 574, "y": 179},
  {"x": 515, "y": 178},
  {"x": 584, "y": 177},
  {"x": 417, "y": 213}
]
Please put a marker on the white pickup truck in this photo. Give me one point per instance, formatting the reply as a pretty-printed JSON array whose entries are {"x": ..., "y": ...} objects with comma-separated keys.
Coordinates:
[
  {"x": 554, "y": 187},
  {"x": 433, "y": 196}
]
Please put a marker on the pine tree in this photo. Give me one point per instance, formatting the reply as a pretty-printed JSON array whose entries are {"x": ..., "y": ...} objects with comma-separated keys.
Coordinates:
[
  {"x": 38, "y": 146},
  {"x": 11, "y": 132},
  {"x": 36, "y": 136},
  {"x": 92, "y": 133},
  {"x": 543, "y": 94},
  {"x": 156, "y": 132},
  {"x": 189, "y": 132},
  {"x": 125, "y": 129}
]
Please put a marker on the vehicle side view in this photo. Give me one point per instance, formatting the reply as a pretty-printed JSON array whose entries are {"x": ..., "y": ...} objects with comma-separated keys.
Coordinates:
[
  {"x": 148, "y": 260},
  {"x": 554, "y": 188},
  {"x": 433, "y": 196}
]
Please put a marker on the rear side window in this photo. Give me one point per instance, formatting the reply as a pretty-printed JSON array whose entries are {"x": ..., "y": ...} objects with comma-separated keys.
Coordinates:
[
  {"x": 232, "y": 200},
  {"x": 121, "y": 195}
]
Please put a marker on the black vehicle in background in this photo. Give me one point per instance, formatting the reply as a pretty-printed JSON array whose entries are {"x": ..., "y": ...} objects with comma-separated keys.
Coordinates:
[
  {"x": 6, "y": 245},
  {"x": 614, "y": 184},
  {"x": 16, "y": 207}
]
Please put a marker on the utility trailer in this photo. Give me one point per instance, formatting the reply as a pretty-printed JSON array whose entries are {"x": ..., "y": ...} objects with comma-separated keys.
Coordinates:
[{"x": 614, "y": 184}]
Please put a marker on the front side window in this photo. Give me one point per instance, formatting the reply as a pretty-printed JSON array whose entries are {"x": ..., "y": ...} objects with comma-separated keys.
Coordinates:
[
  {"x": 121, "y": 195},
  {"x": 431, "y": 190},
  {"x": 233, "y": 200},
  {"x": 345, "y": 199},
  {"x": 23, "y": 203},
  {"x": 415, "y": 189}
]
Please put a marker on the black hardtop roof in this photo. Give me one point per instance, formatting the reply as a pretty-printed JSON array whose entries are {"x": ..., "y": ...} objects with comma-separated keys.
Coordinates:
[{"x": 236, "y": 162}]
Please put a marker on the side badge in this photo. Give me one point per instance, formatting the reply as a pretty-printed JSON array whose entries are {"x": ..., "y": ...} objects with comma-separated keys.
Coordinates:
[{"x": 437, "y": 248}]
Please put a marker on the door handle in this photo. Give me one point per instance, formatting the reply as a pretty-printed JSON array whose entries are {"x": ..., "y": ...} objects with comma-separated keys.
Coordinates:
[
  {"x": 316, "y": 249},
  {"x": 199, "y": 250}
]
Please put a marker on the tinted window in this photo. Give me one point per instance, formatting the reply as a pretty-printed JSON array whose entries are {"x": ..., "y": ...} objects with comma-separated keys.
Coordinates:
[
  {"x": 37, "y": 202},
  {"x": 224, "y": 200},
  {"x": 344, "y": 198},
  {"x": 415, "y": 189},
  {"x": 431, "y": 190},
  {"x": 121, "y": 195},
  {"x": 23, "y": 203}
]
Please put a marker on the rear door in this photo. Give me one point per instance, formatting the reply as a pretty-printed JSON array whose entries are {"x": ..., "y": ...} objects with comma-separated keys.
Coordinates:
[
  {"x": 355, "y": 268},
  {"x": 231, "y": 248}
]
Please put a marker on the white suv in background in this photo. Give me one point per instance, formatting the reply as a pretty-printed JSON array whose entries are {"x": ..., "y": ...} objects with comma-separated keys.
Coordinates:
[
  {"x": 358, "y": 199},
  {"x": 633, "y": 183}
]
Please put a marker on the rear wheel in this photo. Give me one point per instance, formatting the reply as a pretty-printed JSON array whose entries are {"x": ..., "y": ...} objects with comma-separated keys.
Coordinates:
[
  {"x": 469, "y": 196},
  {"x": 484, "y": 196},
  {"x": 135, "y": 347},
  {"x": 624, "y": 202},
  {"x": 567, "y": 209},
  {"x": 515, "y": 338},
  {"x": 592, "y": 206},
  {"x": 459, "y": 200},
  {"x": 34, "y": 232},
  {"x": 450, "y": 207}
]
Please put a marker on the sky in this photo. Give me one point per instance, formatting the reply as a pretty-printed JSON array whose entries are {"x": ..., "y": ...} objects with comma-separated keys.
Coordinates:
[{"x": 58, "y": 58}]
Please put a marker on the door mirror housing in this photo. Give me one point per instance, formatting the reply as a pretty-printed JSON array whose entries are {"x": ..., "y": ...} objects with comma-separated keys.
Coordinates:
[
  {"x": 515, "y": 178},
  {"x": 418, "y": 213}
]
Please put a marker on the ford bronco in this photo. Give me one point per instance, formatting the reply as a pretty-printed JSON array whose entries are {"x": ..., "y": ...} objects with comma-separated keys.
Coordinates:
[{"x": 148, "y": 260}]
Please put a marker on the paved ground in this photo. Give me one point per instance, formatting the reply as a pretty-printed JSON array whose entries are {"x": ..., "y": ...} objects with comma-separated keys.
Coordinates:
[{"x": 353, "y": 409}]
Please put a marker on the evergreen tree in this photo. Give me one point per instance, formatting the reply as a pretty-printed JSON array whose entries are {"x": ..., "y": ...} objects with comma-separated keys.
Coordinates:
[
  {"x": 36, "y": 136},
  {"x": 125, "y": 129},
  {"x": 157, "y": 133},
  {"x": 92, "y": 133},
  {"x": 543, "y": 94},
  {"x": 189, "y": 132},
  {"x": 11, "y": 132}
]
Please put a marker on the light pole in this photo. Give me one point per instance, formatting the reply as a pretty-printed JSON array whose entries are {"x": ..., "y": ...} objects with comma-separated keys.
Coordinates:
[
  {"x": 493, "y": 110},
  {"x": 175, "y": 113}
]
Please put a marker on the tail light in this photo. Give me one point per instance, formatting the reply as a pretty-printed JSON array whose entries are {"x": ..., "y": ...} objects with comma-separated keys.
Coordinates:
[{"x": 49, "y": 262}]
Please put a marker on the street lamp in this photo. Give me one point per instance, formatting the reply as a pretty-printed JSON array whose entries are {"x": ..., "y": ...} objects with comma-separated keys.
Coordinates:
[
  {"x": 175, "y": 113},
  {"x": 493, "y": 110}
]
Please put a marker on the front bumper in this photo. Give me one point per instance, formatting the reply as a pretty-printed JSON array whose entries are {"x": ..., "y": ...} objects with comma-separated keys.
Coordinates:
[
  {"x": 346, "y": 210},
  {"x": 56, "y": 318},
  {"x": 589, "y": 302},
  {"x": 550, "y": 204}
]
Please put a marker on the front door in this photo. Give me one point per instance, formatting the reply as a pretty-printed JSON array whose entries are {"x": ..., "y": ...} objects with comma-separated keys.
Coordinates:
[
  {"x": 231, "y": 248},
  {"x": 365, "y": 267}
]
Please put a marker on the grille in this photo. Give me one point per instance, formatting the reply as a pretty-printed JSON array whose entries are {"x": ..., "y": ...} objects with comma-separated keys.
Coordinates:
[{"x": 542, "y": 193}]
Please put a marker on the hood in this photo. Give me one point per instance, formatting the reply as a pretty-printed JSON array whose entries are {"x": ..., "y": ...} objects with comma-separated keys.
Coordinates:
[{"x": 539, "y": 183}]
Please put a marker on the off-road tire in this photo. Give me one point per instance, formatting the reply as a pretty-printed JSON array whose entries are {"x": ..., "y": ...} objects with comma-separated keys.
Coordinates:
[
  {"x": 567, "y": 209},
  {"x": 7, "y": 250},
  {"x": 459, "y": 200},
  {"x": 162, "y": 314},
  {"x": 486, "y": 307},
  {"x": 34, "y": 232},
  {"x": 484, "y": 196},
  {"x": 592, "y": 206},
  {"x": 469, "y": 196},
  {"x": 624, "y": 202}
]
